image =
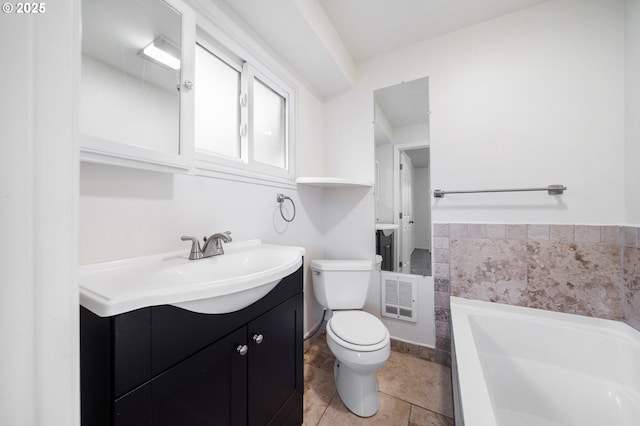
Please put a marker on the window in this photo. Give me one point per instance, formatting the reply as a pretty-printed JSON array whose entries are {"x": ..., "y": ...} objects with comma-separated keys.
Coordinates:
[
  {"x": 217, "y": 112},
  {"x": 242, "y": 117},
  {"x": 269, "y": 131}
]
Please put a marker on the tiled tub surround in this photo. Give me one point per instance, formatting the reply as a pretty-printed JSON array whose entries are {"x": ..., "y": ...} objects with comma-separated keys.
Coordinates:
[{"x": 581, "y": 269}]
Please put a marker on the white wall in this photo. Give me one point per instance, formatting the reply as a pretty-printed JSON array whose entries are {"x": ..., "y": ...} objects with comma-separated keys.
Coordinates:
[
  {"x": 529, "y": 99},
  {"x": 39, "y": 359},
  {"x": 632, "y": 112},
  {"x": 384, "y": 203},
  {"x": 415, "y": 133},
  {"x": 349, "y": 150}
]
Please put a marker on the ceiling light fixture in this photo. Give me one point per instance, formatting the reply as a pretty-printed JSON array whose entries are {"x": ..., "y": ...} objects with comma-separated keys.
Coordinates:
[{"x": 162, "y": 52}]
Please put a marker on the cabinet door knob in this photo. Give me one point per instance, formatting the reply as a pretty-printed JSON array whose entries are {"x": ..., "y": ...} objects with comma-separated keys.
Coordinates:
[
  {"x": 188, "y": 85},
  {"x": 258, "y": 338},
  {"x": 242, "y": 349}
]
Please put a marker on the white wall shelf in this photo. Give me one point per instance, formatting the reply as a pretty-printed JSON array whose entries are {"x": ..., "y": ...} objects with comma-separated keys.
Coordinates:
[{"x": 332, "y": 182}]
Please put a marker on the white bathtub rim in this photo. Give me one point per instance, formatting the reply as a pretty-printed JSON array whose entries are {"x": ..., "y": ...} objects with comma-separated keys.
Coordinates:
[
  {"x": 477, "y": 406},
  {"x": 469, "y": 307}
]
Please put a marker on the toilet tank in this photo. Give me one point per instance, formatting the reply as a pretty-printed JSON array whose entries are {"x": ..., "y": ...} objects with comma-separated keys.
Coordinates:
[{"x": 341, "y": 284}]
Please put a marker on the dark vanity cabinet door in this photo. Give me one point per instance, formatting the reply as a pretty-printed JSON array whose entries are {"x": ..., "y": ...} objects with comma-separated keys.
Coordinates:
[
  {"x": 275, "y": 379},
  {"x": 207, "y": 389},
  {"x": 133, "y": 408}
]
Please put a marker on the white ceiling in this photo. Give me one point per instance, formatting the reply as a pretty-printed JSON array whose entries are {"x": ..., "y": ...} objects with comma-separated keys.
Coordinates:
[
  {"x": 324, "y": 39},
  {"x": 371, "y": 27},
  {"x": 419, "y": 157}
]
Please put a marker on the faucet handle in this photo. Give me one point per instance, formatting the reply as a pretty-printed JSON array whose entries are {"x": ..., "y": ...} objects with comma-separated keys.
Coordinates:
[
  {"x": 226, "y": 237},
  {"x": 196, "y": 252}
]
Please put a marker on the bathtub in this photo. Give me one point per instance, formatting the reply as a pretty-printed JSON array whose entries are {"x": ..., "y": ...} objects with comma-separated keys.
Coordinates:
[{"x": 520, "y": 366}]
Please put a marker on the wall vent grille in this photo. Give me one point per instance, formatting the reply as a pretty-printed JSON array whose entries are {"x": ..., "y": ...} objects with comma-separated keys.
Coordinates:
[{"x": 399, "y": 295}]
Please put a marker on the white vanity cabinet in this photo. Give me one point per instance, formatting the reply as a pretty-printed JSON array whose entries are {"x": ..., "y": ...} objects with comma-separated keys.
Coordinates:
[{"x": 137, "y": 108}]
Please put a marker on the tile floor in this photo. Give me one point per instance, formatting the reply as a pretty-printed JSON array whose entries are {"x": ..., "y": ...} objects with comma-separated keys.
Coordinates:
[
  {"x": 413, "y": 391},
  {"x": 421, "y": 262}
]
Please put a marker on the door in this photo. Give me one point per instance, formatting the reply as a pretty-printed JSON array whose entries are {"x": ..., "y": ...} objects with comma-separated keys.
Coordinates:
[{"x": 406, "y": 220}]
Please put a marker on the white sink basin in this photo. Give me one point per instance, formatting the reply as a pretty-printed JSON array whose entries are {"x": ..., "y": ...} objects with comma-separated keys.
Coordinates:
[
  {"x": 386, "y": 228},
  {"x": 245, "y": 273}
]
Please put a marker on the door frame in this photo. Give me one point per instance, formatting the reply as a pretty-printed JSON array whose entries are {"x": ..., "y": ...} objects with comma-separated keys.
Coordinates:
[{"x": 397, "y": 198}]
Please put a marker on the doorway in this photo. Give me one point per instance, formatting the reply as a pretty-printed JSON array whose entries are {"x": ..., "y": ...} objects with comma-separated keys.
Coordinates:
[{"x": 415, "y": 211}]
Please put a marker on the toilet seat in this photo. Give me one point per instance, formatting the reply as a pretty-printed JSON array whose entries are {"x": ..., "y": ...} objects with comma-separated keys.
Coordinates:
[{"x": 358, "y": 331}]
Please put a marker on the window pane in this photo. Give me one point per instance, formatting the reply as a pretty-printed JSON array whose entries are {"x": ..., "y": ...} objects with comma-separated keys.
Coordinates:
[
  {"x": 217, "y": 108},
  {"x": 269, "y": 132}
]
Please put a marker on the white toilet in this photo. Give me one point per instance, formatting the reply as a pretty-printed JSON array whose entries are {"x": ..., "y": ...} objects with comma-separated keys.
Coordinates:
[{"x": 358, "y": 340}]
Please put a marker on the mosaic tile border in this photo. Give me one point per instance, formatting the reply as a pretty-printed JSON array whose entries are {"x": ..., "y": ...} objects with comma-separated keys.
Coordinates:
[{"x": 441, "y": 354}]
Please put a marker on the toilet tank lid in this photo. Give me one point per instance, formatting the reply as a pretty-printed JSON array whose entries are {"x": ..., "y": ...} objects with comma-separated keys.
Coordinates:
[{"x": 341, "y": 265}]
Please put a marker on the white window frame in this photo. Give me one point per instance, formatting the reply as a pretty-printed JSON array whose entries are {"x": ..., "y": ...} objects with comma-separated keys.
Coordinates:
[{"x": 210, "y": 164}]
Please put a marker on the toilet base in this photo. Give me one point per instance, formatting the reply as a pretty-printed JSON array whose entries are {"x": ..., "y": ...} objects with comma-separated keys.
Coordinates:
[{"x": 358, "y": 392}]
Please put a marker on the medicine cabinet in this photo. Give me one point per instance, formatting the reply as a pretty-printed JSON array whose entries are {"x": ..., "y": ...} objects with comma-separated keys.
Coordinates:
[{"x": 136, "y": 98}]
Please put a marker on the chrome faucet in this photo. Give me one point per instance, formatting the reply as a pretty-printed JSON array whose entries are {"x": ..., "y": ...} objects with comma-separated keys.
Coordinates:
[
  {"x": 212, "y": 245},
  {"x": 216, "y": 241}
]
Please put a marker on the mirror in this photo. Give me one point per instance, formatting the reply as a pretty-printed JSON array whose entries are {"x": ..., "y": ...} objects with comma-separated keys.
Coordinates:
[
  {"x": 403, "y": 208},
  {"x": 127, "y": 96}
]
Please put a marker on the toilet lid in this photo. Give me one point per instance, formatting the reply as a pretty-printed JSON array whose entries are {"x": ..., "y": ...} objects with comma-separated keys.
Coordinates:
[{"x": 358, "y": 327}]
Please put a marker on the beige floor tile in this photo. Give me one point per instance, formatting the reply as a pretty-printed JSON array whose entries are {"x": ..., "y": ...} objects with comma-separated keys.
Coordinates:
[
  {"x": 318, "y": 357},
  {"x": 319, "y": 343},
  {"x": 319, "y": 388},
  {"x": 319, "y": 354},
  {"x": 392, "y": 411},
  {"x": 421, "y": 417},
  {"x": 417, "y": 381}
]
